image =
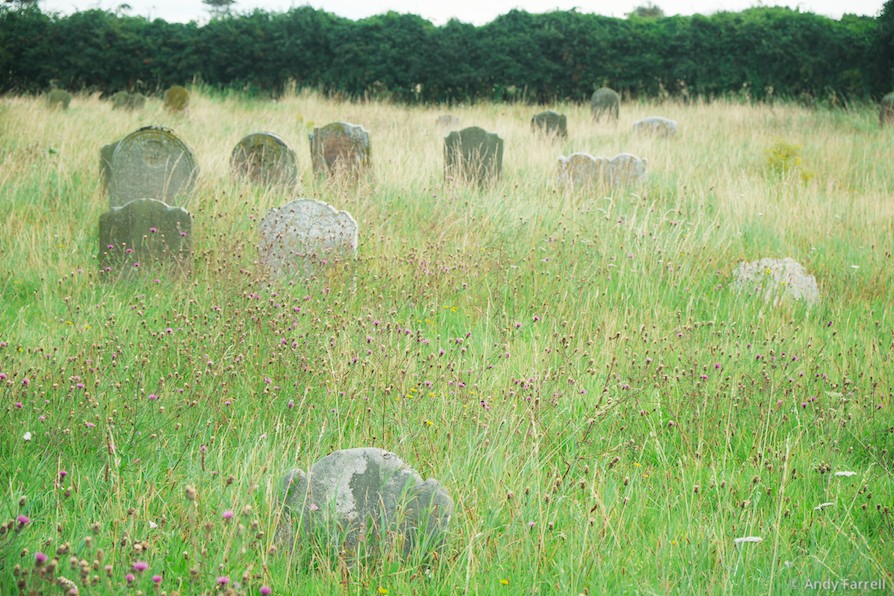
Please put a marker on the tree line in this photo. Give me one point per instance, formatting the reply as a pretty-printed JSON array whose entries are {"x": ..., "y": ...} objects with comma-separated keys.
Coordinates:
[{"x": 561, "y": 55}]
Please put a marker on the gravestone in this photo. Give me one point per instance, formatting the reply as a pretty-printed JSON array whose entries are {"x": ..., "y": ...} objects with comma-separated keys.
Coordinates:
[
  {"x": 581, "y": 170},
  {"x": 473, "y": 154},
  {"x": 128, "y": 101},
  {"x": 177, "y": 99},
  {"x": 264, "y": 158},
  {"x": 105, "y": 164},
  {"x": 656, "y": 125},
  {"x": 57, "y": 98},
  {"x": 776, "y": 279},
  {"x": 625, "y": 169},
  {"x": 550, "y": 123},
  {"x": 886, "y": 109},
  {"x": 340, "y": 148},
  {"x": 151, "y": 163},
  {"x": 305, "y": 236},
  {"x": 448, "y": 121},
  {"x": 143, "y": 233},
  {"x": 365, "y": 502},
  {"x": 605, "y": 102}
]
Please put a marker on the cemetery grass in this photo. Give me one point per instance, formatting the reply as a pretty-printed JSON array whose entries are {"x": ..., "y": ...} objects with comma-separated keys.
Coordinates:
[{"x": 607, "y": 413}]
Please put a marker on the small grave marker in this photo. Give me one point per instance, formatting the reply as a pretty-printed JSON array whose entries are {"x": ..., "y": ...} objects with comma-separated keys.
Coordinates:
[
  {"x": 264, "y": 158},
  {"x": 473, "y": 154}
]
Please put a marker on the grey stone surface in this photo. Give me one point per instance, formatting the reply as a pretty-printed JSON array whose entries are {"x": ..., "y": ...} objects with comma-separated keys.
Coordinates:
[
  {"x": 264, "y": 158},
  {"x": 886, "y": 110},
  {"x": 128, "y": 101},
  {"x": 151, "y": 163},
  {"x": 340, "y": 148},
  {"x": 302, "y": 237},
  {"x": 448, "y": 121},
  {"x": 550, "y": 123},
  {"x": 177, "y": 99},
  {"x": 776, "y": 279},
  {"x": 143, "y": 233},
  {"x": 473, "y": 154},
  {"x": 582, "y": 170},
  {"x": 57, "y": 98},
  {"x": 363, "y": 502},
  {"x": 105, "y": 164},
  {"x": 605, "y": 102},
  {"x": 656, "y": 125}
]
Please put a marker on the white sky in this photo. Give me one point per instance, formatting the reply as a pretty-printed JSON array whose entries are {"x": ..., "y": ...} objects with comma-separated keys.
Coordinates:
[{"x": 469, "y": 11}]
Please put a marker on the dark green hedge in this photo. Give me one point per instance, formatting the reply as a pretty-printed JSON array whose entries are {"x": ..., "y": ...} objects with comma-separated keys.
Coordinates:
[{"x": 521, "y": 56}]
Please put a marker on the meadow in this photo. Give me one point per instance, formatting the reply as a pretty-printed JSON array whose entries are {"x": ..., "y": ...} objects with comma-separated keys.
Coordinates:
[{"x": 607, "y": 412}]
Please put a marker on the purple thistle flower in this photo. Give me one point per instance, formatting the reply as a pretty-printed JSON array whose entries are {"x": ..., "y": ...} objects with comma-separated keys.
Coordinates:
[
  {"x": 266, "y": 591},
  {"x": 140, "y": 566},
  {"x": 129, "y": 578},
  {"x": 40, "y": 558},
  {"x": 156, "y": 579},
  {"x": 223, "y": 580}
]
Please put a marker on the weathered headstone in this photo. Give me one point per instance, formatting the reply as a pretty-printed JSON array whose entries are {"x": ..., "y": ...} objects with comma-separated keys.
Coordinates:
[
  {"x": 582, "y": 170},
  {"x": 605, "y": 102},
  {"x": 143, "y": 233},
  {"x": 625, "y": 169},
  {"x": 886, "y": 109},
  {"x": 300, "y": 238},
  {"x": 340, "y": 148},
  {"x": 473, "y": 154},
  {"x": 365, "y": 502},
  {"x": 656, "y": 125},
  {"x": 550, "y": 123},
  {"x": 448, "y": 121},
  {"x": 151, "y": 163},
  {"x": 775, "y": 279},
  {"x": 264, "y": 158},
  {"x": 128, "y": 101},
  {"x": 57, "y": 98},
  {"x": 177, "y": 99}
]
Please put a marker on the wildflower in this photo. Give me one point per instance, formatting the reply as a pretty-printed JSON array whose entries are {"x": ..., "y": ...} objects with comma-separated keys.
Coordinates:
[
  {"x": 140, "y": 566},
  {"x": 62, "y": 473},
  {"x": 23, "y": 520},
  {"x": 153, "y": 230},
  {"x": 223, "y": 580},
  {"x": 266, "y": 591},
  {"x": 152, "y": 397},
  {"x": 39, "y": 558},
  {"x": 156, "y": 579},
  {"x": 313, "y": 507},
  {"x": 152, "y": 525},
  {"x": 26, "y": 381},
  {"x": 531, "y": 524},
  {"x": 129, "y": 578},
  {"x": 27, "y": 436},
  {"x": 228, "y": 514},
  {"x": 504, "y": 581},
  {"x": 739, "y": 541},
  {"x": 382, "y": 590}
]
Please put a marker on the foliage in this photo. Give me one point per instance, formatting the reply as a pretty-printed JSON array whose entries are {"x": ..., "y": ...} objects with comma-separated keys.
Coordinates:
[{"x": 518, "y": 56}]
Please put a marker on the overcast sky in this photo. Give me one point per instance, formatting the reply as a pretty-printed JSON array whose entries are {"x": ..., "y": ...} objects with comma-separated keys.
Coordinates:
[{"x": 470, "y": 11}]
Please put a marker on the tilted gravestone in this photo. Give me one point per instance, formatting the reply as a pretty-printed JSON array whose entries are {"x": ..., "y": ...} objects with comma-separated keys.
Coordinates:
[
  {"x": 886, "y": 109},
  {"x": 473, "y": 154},
  {"x": 264, "y": 158},
  {"x": 143, "y": 233},
  {"x": 365, "y": 502},
  {"x": 550, "y": 123},
  {"x": 57, "y": 98},
  {"x": 128, "y": 101},
  {"x": 775, "y": 280},
  {"x": 151, "y": 163},
  {"x": 656, "y": 125},
  {"x": 304, "y": 236},
  {"x": 448, "y": 121},
  {"x": 340, "y": 148},
  {"x": 582, "y": 170},
  {"x": 177, "y": 99},
  {"x": 605, "y": 102}
]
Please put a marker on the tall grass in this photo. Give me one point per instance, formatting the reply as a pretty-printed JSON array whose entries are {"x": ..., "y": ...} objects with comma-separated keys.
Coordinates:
[{"x": 608, "y": 414}]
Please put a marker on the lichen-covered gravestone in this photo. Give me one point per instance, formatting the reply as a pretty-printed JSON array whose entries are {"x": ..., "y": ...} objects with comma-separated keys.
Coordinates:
[
  {"x": 656, "y": 125},
  {"x": 776, "y": 279},
  {"x": 177, "y": 99},
  {"x": 128, "y": 101},
  {"x": 142, "y": 234},
  {"x": 583, "y": 171},
  {"x": 605, "y": 102},
  {"x": 340, "y": 148},
  {"x": 264, "y": 158},
  {"x": 473, "y": 154},
  {"x": 550, "y": 123},
  {"x": 302, "y": 237},
  {"x": 151, "y": 163},
  {"x": 365, "y": 502},
  {"x": 57, "y": 98},
  {"x": 886, "y": 110}
]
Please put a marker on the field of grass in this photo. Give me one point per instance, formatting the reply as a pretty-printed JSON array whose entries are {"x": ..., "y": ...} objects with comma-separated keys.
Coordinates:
[{"x": 607, "y": 413}]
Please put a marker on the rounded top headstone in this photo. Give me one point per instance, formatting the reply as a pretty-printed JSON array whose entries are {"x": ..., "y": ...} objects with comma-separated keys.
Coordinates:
[
  {"x": 177, "y": 99},
  {"x": 151, "y": 163},
  {"x": 264, "y": 158}
]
